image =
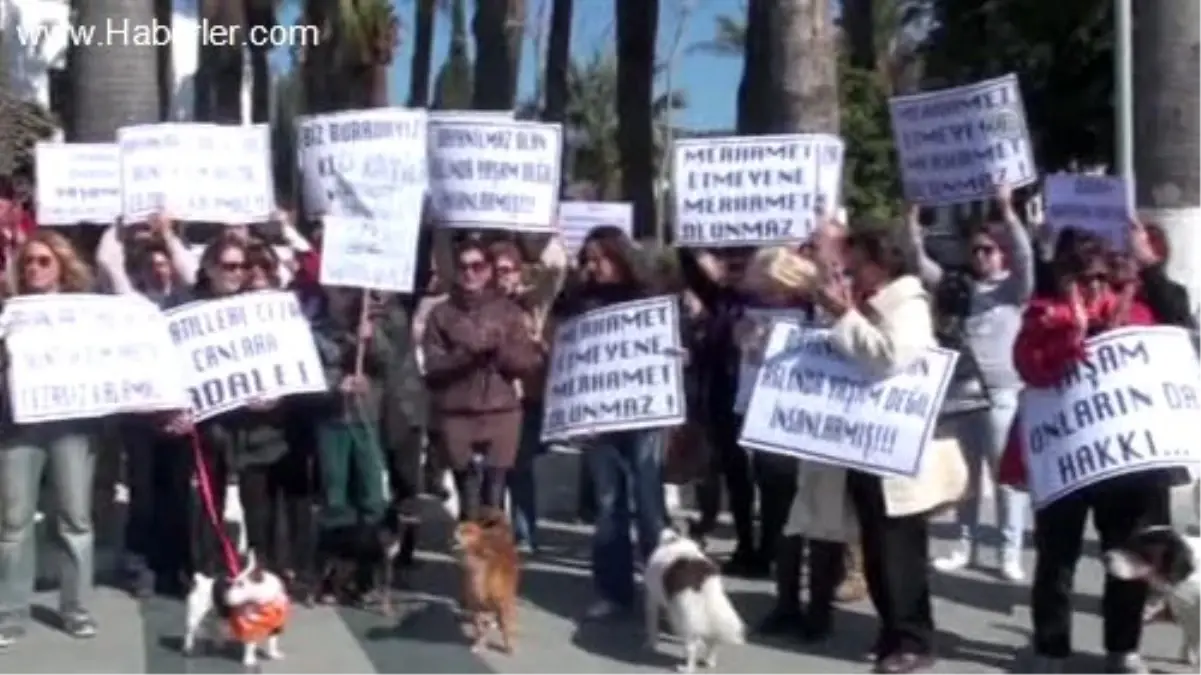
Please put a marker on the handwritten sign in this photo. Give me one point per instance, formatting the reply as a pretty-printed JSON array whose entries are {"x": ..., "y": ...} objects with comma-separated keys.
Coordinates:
[
  {"x": 748, "y": 368},
  {"x": 248, "y": 347},
  {"x": 379, "y": 254},
  {"x": 203, "y": 172},
  {"x": 78, "y": 183},
  {"x": 616, "y": 369},
  {"x": 361, "y": 162},
  {"x": 494, "y": 174},
  {"x": 1131, "y": 405},
  {"x": 1098, "y": 204},
  {"x": 77, "y": 356},
  {"x": 753, "y": 191},
  {"x": 577, "y": 219},
  {"x": 813, "y": 403},
  {"x": 956, "y": 145}
]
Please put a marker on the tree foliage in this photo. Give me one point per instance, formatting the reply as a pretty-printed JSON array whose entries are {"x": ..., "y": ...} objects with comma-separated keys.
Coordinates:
[
  {"x": 1062, "y": 52},
  {"x": 454, "y": 84},
  {"x": 871, "y": 184}
]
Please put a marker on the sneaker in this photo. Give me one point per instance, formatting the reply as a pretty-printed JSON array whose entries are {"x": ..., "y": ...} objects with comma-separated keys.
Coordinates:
[
  {"x": 11, "y": 630},
  {"x": 78, "y": 623},
  {"x": 1052, "y": 665},
  {"x": 956, "y": 560},
  {"x": 1125, "y": 662},
  {"x": 602, "y": 609},
  {"x": 1011, "y": 568}
]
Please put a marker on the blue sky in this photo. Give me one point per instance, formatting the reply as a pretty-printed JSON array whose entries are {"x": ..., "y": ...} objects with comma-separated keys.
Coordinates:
[{"x": 709, "y": 82}]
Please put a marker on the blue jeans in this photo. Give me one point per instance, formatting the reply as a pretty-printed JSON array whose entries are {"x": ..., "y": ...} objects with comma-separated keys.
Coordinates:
[
  {"x": 523, "y": 491},
  {"x": 983, "y": 436},
  {"x": 26, "y": 453},
  {"x": 626, "y": 466}
]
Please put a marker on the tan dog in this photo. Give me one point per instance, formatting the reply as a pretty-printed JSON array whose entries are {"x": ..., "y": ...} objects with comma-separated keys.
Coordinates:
[{"x": 491, "y": 572}]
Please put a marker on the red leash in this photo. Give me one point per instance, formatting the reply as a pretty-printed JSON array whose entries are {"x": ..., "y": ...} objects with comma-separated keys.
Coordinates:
[{"x": 216, "y": 520}]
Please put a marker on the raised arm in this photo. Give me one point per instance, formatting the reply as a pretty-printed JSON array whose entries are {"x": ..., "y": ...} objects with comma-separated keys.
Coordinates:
[
  {"x": 929, "y": 271},
  {"x": 1020, "y": 250},
  {"x": 110, "y": 257}
]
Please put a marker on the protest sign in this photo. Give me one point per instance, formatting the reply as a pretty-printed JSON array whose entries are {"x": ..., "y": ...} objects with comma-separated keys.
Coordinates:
[
  {"x": 80, "y": 356},
  {"x": 814, "y": 404},
  {"x": 616, "y": 369},
  {"x": 78, "y": 183},
  {"x": 244, "y": 348},
  {"x": 494, "y": 174},
  {"x": 203, "y": 172},
  {"x": 1098, "y": 204},
  {"x": 1130, "y": 405},
  {"x": 748, "y": 368},
  {"x": 379, "y": 254},
  {"x": 752, "y": 191},
  {"x": 577, "y": 219},
  {"x": 363, "y": 163},
  {"x": 957, "y": 145}
]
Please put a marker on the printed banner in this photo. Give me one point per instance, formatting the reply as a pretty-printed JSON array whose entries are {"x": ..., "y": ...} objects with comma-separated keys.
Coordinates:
[
  {"x": 577, "y": 219},
  {"x": 363, "y": 163},
  {"x": 1098, "y": 204},
  {"x": 203, "y": 172},
  {"x": 616, "y": 369},
  {"x": 1131, "y": 405},
  {"x": 813, "y": 403},
  {"x": 753, "y": 191},
  {"x": 244, "y": 348},
  {"x": 495, "y": 174},
  {"x": 77, "y": 356},
  {"x": 748, "y": 370},
  {"x": 956, "y": 145},
  {"x": 379, "y": 254},
  {"x": 78, "y": 183}
]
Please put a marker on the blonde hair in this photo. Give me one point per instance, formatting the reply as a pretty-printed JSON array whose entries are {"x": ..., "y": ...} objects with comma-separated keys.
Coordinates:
[{"x": 73, "y": 273}]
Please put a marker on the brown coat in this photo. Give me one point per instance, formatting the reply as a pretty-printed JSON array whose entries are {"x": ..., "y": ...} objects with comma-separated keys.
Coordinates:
[{"x": 474, "y": 350}]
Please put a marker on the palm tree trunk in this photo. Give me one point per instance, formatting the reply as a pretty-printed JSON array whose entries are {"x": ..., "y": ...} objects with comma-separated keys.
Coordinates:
[
  {"x": 637, "y": 28},
  {"x": 260, "y": 14},
  {"x": 423, "y": 53},
  {"x": 755, "y": 63},
  {"x": 802, "y": 85},
  {"x": 497, "y": 27},
  {"x": 112, "y": 85},
  {"x": 165, "y": 63},
  {"x": 219, "y": 72},
  {"x": 858, "y": 20},
  {"x": 558, "y": 58}
]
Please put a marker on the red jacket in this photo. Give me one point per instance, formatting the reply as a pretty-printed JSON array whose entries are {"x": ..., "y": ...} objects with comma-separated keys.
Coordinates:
[{"x": 1048, "y": 345}]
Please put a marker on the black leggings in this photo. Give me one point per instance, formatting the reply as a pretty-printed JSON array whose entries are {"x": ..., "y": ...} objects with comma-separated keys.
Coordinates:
[
  {"x": 283, "y": 487},
  {"x": 479, "y": 486},
  {"x": 158, "y": 470}
]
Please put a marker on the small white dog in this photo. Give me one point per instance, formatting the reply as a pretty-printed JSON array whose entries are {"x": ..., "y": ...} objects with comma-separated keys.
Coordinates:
[
  {"x": 1168, "y": 562},
  {"x": 680, "y": 578},
  {"x": 251, "y": 608}
]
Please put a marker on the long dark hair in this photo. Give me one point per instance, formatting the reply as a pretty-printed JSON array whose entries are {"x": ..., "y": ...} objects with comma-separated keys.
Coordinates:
[
  {"x": 211, "y": 257},
  {"x": 619, "y": 249}
]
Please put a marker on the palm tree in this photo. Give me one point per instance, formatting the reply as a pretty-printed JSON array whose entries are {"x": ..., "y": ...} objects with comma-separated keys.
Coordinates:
[
  {"x": 219, "y": 72},
  {"x": 423, "y": 52},
  {"x": 112, "y": 85},
  {"x": 25, "y": 122},
  {"x": 801, "y": 91},
  {"x": 260, "y": 17},
  {"x": 729, "y": 36},
  {"x": 453, "y": 88},
  {"x": 499, "y": 29},
  {"x": 637, "y": 30},
  {"x": 348, "y": 68},
  {"x": 558, "y": 61}
]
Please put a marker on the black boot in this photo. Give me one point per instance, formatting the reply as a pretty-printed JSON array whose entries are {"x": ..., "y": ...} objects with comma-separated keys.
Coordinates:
[
  {"x": 826, "y": 560},
  {"x": 786, "y": 617}
]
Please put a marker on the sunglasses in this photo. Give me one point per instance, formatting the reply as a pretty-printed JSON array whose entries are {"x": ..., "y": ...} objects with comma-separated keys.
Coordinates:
[
  {"x": 234, "y": 266},
  {"x": 43, "y": 261},
  {"x": 475, "y": 266},
  {"x": 505, "y": 269}
]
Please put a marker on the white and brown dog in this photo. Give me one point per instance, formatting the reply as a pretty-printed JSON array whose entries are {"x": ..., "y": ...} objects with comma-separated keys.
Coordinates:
[
  {"x": 1168, "y": 562},
  {"x": 681, "y": 579},
  {"x": 251, "y": 609}
]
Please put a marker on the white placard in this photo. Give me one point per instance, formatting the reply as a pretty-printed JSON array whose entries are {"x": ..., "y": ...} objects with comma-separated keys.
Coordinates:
[
  {"x": 577, "y": 219},
  {"x": 616, "y": 369},
  {"x": 1131, "y": 405},
  {"x": 379, "y": 254},
  {"x": 1095, "y": 203},
  {"x": 81, "y": 356},
  {"x": 752, "y": 190},
  {"x": 78, "y": 183},
  {"x": 359, "y": 163},
  {"x": 812, "y": 403},
  {"x": 956, "y": 145},
  {"x": 201, "y": 172},
  {"x": 495, "y": 174},
  {"x": 243, "y": 348},
  {"x": 748, "y": 371}
]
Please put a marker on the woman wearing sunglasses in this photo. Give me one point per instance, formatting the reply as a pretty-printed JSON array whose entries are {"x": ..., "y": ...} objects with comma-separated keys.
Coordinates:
[
  {"x": 46, "y": 263},
  {"x": 476, "y": 345}
]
